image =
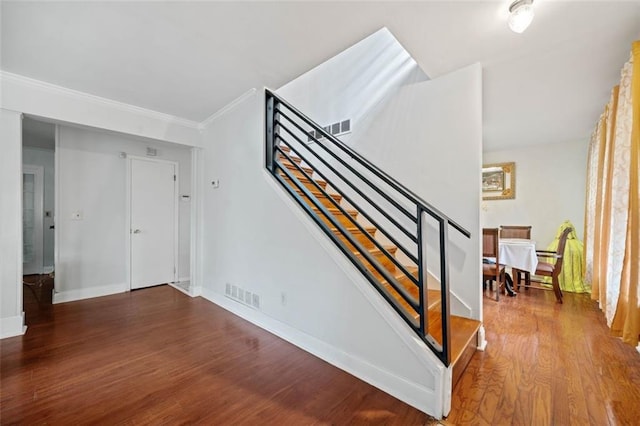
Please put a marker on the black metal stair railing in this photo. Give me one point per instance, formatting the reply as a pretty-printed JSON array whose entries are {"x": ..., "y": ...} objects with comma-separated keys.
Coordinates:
[{"x": 287, "y": 133}]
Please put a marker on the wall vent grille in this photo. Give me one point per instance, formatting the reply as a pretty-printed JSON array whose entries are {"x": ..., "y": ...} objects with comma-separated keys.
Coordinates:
[
  {"x": 336, "y": 129},
  {"x": 241, "y": 295}
]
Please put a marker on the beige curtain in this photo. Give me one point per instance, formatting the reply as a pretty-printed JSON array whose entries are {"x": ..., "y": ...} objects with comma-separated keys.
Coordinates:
[{"x": 612, "y": 222}]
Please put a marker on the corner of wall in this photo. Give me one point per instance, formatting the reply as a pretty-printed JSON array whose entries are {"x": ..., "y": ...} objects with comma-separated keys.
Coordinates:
[
  {"x": 12, "y": 326},
  {"x": 11, "y": 315}
]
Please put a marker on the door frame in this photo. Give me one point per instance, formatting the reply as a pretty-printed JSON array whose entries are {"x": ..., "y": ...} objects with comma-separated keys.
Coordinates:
[
  {"x": 38, "y": 207},
  {"x": 176, "y": 218}
]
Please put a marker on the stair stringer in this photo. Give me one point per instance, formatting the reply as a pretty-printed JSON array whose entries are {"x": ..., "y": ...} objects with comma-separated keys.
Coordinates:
[{"x": 434, "y": 401}]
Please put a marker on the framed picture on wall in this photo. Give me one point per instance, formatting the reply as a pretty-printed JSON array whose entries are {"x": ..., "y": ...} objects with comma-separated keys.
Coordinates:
[{"x": 499, "y": 181}]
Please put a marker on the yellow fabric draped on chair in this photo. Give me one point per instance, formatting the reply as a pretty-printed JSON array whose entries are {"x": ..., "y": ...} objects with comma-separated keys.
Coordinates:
[
  {"x": 571, "y": 276},
  {"x": 612, "y": 212}
]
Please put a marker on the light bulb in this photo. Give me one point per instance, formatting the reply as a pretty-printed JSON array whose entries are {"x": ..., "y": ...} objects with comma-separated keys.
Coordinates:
[{"x": 520, "y": 16}]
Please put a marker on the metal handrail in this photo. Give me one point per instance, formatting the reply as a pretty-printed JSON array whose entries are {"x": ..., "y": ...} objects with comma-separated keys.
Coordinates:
[
  {"x": 408, "y": 194},
  {"x": 277, "y": 132},
  {"x": 361, "y": 249},
  {"x": 350, "y": 201}
]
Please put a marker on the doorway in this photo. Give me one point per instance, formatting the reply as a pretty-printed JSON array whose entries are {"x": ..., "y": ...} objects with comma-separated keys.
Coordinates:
[
  {"x": 153, "y": 231},
  {"x": 32, "y": 219},
  {"x": 38, "y": 206}
]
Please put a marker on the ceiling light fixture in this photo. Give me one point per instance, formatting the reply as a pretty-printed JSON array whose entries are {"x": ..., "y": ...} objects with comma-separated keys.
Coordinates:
[{"x": 520, "y": 15}]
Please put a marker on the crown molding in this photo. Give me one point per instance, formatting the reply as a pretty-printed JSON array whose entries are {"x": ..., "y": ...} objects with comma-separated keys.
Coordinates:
[
  {"x": 231, "y": 105},
  {"x": 86, "y": 97}
]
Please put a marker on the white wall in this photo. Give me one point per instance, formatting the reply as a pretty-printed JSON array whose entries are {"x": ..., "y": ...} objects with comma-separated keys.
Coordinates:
[
  {"x": 550, "y": 188},
  {"x": 92, "y": 180},
  {"x": 45, "y": 159},
  {"x": 255, "y": 237},
  {"x": 25, "y": 95},
  {"x": 352, "y": 83},
  {"x": 11, "y": 315},
  {"x": 429, "y": 138},
  {"x": 414, "y": 130}
]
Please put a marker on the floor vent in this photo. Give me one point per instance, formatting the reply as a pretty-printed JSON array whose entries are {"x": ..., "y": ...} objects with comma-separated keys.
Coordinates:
[{"x": 241, "y": 295}]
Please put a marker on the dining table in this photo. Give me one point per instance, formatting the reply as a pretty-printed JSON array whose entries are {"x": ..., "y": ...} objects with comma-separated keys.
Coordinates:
[{"x": 518, "y": 253}]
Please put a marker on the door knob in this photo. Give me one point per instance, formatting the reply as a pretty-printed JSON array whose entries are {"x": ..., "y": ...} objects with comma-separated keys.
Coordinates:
[{"x": 136, "y": 231}]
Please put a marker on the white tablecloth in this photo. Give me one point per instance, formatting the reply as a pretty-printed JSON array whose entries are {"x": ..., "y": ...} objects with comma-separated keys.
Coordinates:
[{"x": 518, "y": 253}]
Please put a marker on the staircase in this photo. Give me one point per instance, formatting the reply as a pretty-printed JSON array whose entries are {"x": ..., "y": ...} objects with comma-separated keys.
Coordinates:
[
  {"x": 373, "y": 234},
  {"x": 463, "y": 330}
]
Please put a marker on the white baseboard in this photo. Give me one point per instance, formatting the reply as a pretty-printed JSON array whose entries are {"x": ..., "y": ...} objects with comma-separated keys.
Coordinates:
[
  {"x": 183, "y": 279},
  {"x": 12, "y": 326},
  {"x": 180, "y": 289},
  {"x": 196, "y": 291},
  {"x": 482, "y": 342},
  {"x": 188, "y": 291},
  {"x": 414, "y": 394},
  {"x": 48, "y": 269},
  {"x": 88, "y": 293},
  {"x": 447, "y": 390}
]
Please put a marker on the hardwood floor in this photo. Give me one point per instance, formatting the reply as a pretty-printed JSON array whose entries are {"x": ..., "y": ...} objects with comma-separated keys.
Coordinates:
[
  {"x": 548, "y": 364},
  {"x": 157, "y": 356}
]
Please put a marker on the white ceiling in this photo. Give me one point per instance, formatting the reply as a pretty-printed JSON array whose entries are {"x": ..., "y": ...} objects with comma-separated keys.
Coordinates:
[{"x": 189, "y": 59}]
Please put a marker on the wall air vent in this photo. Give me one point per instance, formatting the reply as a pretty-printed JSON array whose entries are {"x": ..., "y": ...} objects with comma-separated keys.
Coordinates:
[
  {"x": 336, "y": 129},
  {"x": 241, "y": 295}
]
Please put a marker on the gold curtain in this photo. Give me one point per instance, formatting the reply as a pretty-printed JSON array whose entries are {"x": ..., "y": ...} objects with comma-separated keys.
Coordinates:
[{"x": 612, "y": 213}]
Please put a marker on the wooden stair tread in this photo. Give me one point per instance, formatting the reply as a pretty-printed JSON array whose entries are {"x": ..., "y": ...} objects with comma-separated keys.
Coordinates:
[
  {"x": 433, "y": 296},
  {"x": 294, "y": 169},
  {"x": 318, "y": 194},
  {"x": 463, "y": 331},
  {"x": 377, "y": 251},
  {"x": 336, "y": 211},
  {"x": 464, "y": 335},
  {"x": 303, "y": 179},
  {"x": 353, "y": 230}
]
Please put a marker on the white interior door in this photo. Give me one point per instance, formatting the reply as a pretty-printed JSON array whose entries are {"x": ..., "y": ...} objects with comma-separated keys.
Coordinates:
[
  {"x": 32, "y": 216},
  {"x": 153, "y": 222}
]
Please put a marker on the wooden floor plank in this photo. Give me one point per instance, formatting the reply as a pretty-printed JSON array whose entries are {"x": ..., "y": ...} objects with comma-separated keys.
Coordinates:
[
  {"x": 161, "y": 357},
  {"x": 157, "y": 356},
  {"x": 560, "y": 360}
]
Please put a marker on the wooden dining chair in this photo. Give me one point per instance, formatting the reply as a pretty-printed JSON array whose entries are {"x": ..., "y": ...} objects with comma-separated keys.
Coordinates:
[
  {"x": 549, "y": 269},
  {"x": 513, "y": 231},
  {"x": 492, "y": 271},
  {"x": 522, "y": 232}
]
